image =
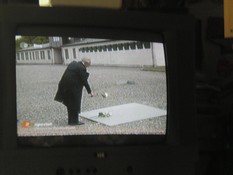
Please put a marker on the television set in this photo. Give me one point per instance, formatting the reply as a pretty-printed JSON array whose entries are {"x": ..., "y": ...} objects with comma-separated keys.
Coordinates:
[{"x": 35, "y": 138}]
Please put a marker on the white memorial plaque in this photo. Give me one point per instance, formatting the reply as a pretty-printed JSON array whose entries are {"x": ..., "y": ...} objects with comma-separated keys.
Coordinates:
[{"x": 123, "y": 114}]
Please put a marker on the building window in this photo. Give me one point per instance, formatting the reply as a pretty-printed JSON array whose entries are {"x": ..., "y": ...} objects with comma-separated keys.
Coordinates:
[
  {"x": 109, "y": 47},
  {"x": 95, "y": 49},
  {"x": 120, "y": 46},
  {"x": 132, "y": 45},
  {"x": 86, "y": 49},
  {"x": 42, "y": 55},
  {"x": 66, "y": 54},
  {"x": 146, "y": 45},
  {"x": 126, "y": 46},
  {"x": 74, "y": 53},
  {"x": 17, "y": 56},
  {"x": 33, "y": 55},
  {"x": 105, "y": 48},
  {"x": 56, "y": 39},
  {"x": 139, "y": 45},
  {"x": 37, "y": 55},
  {"x": 99, "y": 48},
  {"x": 114, "y": 46},
  {"x": 49, "y": 56},
  {"x": 26, "y": 55},
  {"x": 82, "y": 49},
  {"x": 22, "y": 56},
  {"x": 30, "y": 55}
]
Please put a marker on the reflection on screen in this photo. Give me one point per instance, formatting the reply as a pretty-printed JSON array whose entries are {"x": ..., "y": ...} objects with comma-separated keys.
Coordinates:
[{"x": 127, "y": 81}]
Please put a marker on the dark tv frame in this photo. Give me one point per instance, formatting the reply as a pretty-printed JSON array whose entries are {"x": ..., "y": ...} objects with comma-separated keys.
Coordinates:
[{"x": 176, "y": 152}]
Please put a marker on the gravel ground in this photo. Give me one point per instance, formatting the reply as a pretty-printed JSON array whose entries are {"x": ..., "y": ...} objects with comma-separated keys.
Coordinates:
[{"x": 37, "y": 85}]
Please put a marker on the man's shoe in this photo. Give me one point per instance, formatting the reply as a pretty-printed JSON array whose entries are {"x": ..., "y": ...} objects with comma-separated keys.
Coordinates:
[
  {"x": 80, "y": 123},
  {"x": 75, "y": 123}
]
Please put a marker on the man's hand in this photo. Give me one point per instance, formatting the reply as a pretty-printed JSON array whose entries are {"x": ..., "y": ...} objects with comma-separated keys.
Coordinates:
[{"x": 92, "y": 94}]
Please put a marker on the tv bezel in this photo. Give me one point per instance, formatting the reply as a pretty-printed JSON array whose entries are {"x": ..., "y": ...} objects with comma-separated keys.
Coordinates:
[{"x": 178, "y": 33}]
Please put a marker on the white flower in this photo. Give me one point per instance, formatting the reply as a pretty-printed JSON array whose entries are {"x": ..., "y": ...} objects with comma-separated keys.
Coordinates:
[{"x": 105, "y": 95}]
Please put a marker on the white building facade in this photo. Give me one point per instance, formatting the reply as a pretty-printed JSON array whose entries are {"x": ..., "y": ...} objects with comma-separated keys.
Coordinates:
[{"x": 101, "y": 52}]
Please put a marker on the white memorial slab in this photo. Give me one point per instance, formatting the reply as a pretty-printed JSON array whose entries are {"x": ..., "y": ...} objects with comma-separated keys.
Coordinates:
[{"x": 124, "y": 113}]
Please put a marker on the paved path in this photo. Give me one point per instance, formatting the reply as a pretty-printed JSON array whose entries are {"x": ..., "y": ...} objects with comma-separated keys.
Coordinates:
[{"x": 37, "y": 85}]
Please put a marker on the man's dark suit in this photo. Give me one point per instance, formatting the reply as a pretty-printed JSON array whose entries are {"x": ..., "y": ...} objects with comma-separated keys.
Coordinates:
[{"x": 70, "y": 89}]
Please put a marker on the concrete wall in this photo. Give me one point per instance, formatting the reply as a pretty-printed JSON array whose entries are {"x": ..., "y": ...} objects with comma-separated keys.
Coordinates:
[
  {"x": 109, "y": 53},
  {"x": 118, "y": 57},
  {"x": 158, "y": 54},
  {"x": 36, "y": 56}
]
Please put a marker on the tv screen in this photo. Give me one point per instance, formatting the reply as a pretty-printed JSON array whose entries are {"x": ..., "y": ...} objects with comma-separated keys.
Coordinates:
[
  {"x": 134, "y": 98},
  {"x": 127, "y": 79}
]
